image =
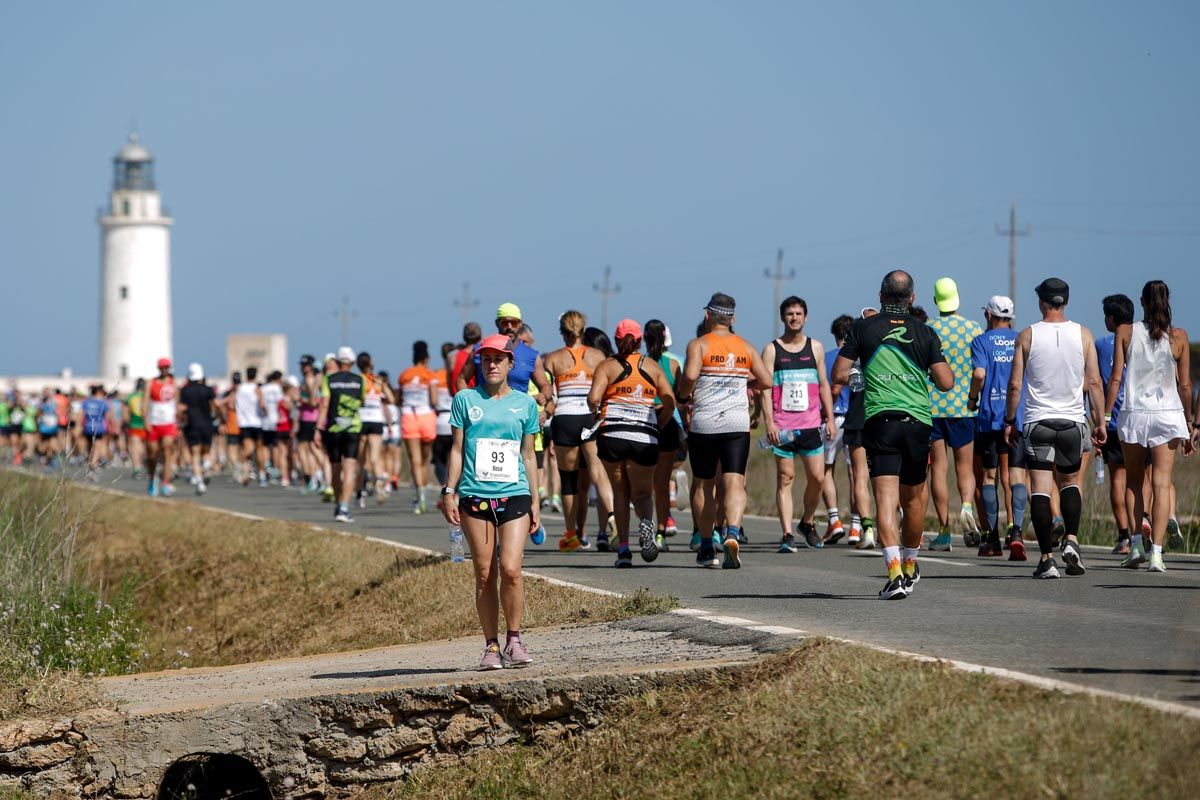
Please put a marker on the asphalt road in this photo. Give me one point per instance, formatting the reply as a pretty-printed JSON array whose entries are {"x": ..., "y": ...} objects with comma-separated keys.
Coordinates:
[{"x": 1112, "y": 628}]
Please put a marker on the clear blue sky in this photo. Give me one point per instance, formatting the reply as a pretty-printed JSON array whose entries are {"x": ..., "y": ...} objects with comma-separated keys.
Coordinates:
[{"x": 390, "y": 151}]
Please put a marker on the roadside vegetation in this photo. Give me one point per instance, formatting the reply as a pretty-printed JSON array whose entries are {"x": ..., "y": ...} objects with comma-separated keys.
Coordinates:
[
  {"x": 97, "y": 584},
  {"x": 829, "y": 719}
]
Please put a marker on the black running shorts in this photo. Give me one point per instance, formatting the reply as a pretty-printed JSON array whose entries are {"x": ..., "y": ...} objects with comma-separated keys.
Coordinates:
[
  {"x": 496, "y": 510},
  {"x": 567, "y": 430},
  {"x": 897, "y": 444},
  {"x": 340, "y": 444},
  {"x": 706, "y": 451},
  {"x": 613, "y": 449}
]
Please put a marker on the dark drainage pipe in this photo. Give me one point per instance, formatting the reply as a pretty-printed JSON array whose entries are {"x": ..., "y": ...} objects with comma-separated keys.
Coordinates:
[{"x": 212, "y": 776}]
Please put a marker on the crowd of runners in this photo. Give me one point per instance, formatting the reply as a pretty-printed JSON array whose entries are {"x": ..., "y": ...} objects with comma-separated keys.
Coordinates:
[{"x": 493, "y": 432}]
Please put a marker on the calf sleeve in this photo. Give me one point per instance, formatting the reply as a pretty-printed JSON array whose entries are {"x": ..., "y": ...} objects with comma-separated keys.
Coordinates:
[
  {"x": 991, "y": 505},
  {"x": 1043, "y": 522},
  {"x": 1070, "y": 499}
]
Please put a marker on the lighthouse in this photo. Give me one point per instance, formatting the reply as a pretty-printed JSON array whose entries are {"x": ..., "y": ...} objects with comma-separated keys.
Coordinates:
[{"x": 135, "y": 270}]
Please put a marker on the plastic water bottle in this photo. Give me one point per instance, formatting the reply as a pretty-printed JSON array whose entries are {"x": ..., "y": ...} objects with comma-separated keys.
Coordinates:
[
  {"x": 785, "y": 436},
  {"x": 1099, "y": 470},
  {"x": 457, "y": 554},
  {"x": 857, "y": 384}
]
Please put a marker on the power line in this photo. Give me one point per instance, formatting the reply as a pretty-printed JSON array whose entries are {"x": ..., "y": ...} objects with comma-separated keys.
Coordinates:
[
  {"x": 1012, "y": 233},
  {"x": 779, "y": 277},
  {"x": 467, "y": 303},
  {"x": 1117, "y": 231},
  {"x": 607, "y": 290}
]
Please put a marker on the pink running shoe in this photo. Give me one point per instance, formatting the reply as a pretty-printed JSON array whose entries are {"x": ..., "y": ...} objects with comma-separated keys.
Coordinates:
[
  {"x": 491, "y": 658},
  {"x": 515, "y": 654}
]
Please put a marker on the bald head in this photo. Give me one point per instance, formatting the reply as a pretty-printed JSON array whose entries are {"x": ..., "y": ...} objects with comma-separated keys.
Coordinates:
[{"x": 896, "y": 289}]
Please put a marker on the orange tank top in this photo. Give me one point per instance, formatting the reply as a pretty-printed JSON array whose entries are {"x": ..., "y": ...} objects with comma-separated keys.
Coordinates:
[
  {"x": 571, "y": 385},
  {"x": 719, "y": 401},
  {"x": 627, "y": 410}
]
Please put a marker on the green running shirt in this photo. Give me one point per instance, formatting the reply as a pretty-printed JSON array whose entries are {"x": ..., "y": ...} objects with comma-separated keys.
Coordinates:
[{"x": 896, "y": 351}]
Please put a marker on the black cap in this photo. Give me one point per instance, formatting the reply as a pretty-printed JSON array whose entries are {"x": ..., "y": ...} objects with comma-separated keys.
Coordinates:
[
  {"x": 237, "y": 377},
  {"x": 721, "y": 303},
  {"x": 1054, "y": 291},
  {"x": 307, "y": 360}
]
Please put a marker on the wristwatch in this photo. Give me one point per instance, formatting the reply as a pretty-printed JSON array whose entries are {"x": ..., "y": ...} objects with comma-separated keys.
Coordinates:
[
  {"x": 448, "y": 490},
  {"x": 1012, "y": 421}
]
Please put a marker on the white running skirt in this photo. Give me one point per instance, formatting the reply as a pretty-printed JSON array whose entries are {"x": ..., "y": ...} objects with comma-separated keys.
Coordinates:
[{"x": 1152, "y": 428}]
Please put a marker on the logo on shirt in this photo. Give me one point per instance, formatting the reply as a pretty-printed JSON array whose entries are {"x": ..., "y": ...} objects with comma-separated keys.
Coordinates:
[
  {"x": 897, "y": 335},
  {"x": 475, "y": 413}
]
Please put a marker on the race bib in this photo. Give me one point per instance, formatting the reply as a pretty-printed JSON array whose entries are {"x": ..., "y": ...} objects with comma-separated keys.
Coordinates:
[
  {"x": 497, "y": 460},
  {"x": 162, "y": 413},
  {"x": 794, "y": 397}
]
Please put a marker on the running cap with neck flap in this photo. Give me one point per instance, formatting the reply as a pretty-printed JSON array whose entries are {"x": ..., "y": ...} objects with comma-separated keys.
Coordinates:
[{"x": 1054, "y": 291}]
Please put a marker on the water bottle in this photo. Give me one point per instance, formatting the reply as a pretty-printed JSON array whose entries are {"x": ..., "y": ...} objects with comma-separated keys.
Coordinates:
[
  {"x": 456, "y": 545},
  {"x": 1099, "y": 470},
  {"x": 785, "y": 436},
  {"x": 856, "y": 384}
]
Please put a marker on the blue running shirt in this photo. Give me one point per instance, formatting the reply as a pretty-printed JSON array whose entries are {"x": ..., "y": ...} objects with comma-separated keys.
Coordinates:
[
  {"x": 993, "y": 352},
  {"x": 1104, "y": 357}
]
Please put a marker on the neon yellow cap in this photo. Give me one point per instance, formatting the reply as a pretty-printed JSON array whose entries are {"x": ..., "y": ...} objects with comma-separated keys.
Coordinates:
[
  {"x": 508, "y": 311},
  {"x": 945, "y": 295}
]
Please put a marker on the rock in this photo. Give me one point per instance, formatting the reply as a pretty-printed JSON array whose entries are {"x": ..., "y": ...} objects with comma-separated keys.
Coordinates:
[
  {"x": 338, "y": 747},
  {"x": 24, "y": 732},
  {"x": 390, "y": 770},
  {"x": 461, "y": 729},
  {"x": 399, "y": 742},
  {"x": 38, "y": 756}
]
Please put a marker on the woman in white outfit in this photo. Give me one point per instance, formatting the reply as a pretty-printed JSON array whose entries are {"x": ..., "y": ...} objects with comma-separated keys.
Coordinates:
[{"x": 1155, "y": 419}]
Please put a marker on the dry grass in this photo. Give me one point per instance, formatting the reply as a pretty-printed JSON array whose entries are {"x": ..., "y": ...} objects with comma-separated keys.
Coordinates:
[
  {"x": 835, "y": 720},
  {"x": 213, "y": 589}
]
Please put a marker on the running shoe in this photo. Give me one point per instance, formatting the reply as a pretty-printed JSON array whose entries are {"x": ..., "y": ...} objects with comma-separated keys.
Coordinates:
[
  {"x": 602, "y": 543},
  {"x": 556, "y": 504},
  {"x": 1016, "y": 545},
  {"x": 682, "y": 495},
  {"x": 706, "y": 557},
  {"x": 1156, "y": 563},
  {"x": 262, "y": 480},
  {"x": 327, "y": 494},
  {"x": 943, "y": 542},
  {"x": 1174, "y": 535},
  {"x": 538, "y": 536},
  {"x": 731, "y": 554},
  {"x": 694, "y": 544},
  {"x": 742, "y": 538},
  {"x": 991, "y": 547},
  {"x": 1073, "y": 559},
  {"x": 201, "y": 487},
  {"x": 569, "y": 542},
  {"x": 671, "y": 528},
  {"x": 855, "y": 537},
  {"x": 646, "y": 541},
  {"x": 868, "y": 538},
  {"x": 1135, "y": 558},
  {"x": 584, "y": 542},
  {"x": 1122, "y": 548},
  {"x": 910, "y": 581},
  {"x": 834, "y": 532},
  {"x": 491, "y": 658},
  {"x": 515, "y": 654},
  {"x": 893, "y": 589},
  {"x": 1147, "y": 531},
  {"x": 787, "y": 544},
  {"x": 1046, "y": 569},
  {"x": 152, "y": 488},
  {"x": 166, "y": 490},
  {"x": 1059, "y": 532},
  {"x": 718, "y": 541},
  {"x": 342, "y": 515},
  {"x": 811, "y": 538},
  {"x": 966, "y": 516},
  {"x": 624, "y": 558},
  {"x": 660, "y": 541}
]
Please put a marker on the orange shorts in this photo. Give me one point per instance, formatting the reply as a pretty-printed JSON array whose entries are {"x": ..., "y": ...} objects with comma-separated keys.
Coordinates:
[
  {"x": 418, "y": 425},
  {"x": 137, "y": 433}
]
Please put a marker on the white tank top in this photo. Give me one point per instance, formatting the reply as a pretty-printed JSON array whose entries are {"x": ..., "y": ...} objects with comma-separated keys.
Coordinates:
[
  {"x": 246, "y": 406},
  {"x": 1151, "y": 383},
  {"x": 272, "y": 394},
  {"x": 1054, "y": 373}
]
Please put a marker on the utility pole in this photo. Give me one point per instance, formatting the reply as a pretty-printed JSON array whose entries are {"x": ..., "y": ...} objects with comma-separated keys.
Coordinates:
[
  {"x": 343, "y": 317},
  {"x": 467, "y": 303},
  {"x": 1012, "y": 233},
  {"x": 779, "y": 277},
  {"x": 607, "y": 290}
]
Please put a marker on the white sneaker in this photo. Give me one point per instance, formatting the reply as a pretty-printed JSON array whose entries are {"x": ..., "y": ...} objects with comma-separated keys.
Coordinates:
[
  {"x": 1156, "y": 563},
  {"x": 682, "y": 494}
]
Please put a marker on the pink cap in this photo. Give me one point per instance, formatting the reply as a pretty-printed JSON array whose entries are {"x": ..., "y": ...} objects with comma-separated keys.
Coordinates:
[
  {"x": 497, "y": 342},
  {"x": 628, "y": 327}
]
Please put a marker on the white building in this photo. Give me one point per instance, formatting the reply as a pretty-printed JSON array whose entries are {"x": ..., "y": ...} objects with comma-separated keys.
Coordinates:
[
  {"x": 264, "y": 351},
  {"x": 135, "y": 270}
]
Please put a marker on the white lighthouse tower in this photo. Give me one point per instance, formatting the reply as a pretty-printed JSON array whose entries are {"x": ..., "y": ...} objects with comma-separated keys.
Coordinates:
[{"x": 135, "y": 270}]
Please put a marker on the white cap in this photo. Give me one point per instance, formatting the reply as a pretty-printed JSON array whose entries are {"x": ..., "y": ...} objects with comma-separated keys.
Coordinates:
[
  {"x": 293, "y": 381},
  {"x": 345, "y": 355},
  {"x": 666, "y": 336},
  {"x": 195, "y": 372},
  {"x": 329, "y": 357},
  {"x": 1000, "y": 306}
]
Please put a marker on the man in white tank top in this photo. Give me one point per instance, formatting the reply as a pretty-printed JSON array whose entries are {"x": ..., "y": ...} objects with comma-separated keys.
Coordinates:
[{"x": 1055, "y": 364}]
